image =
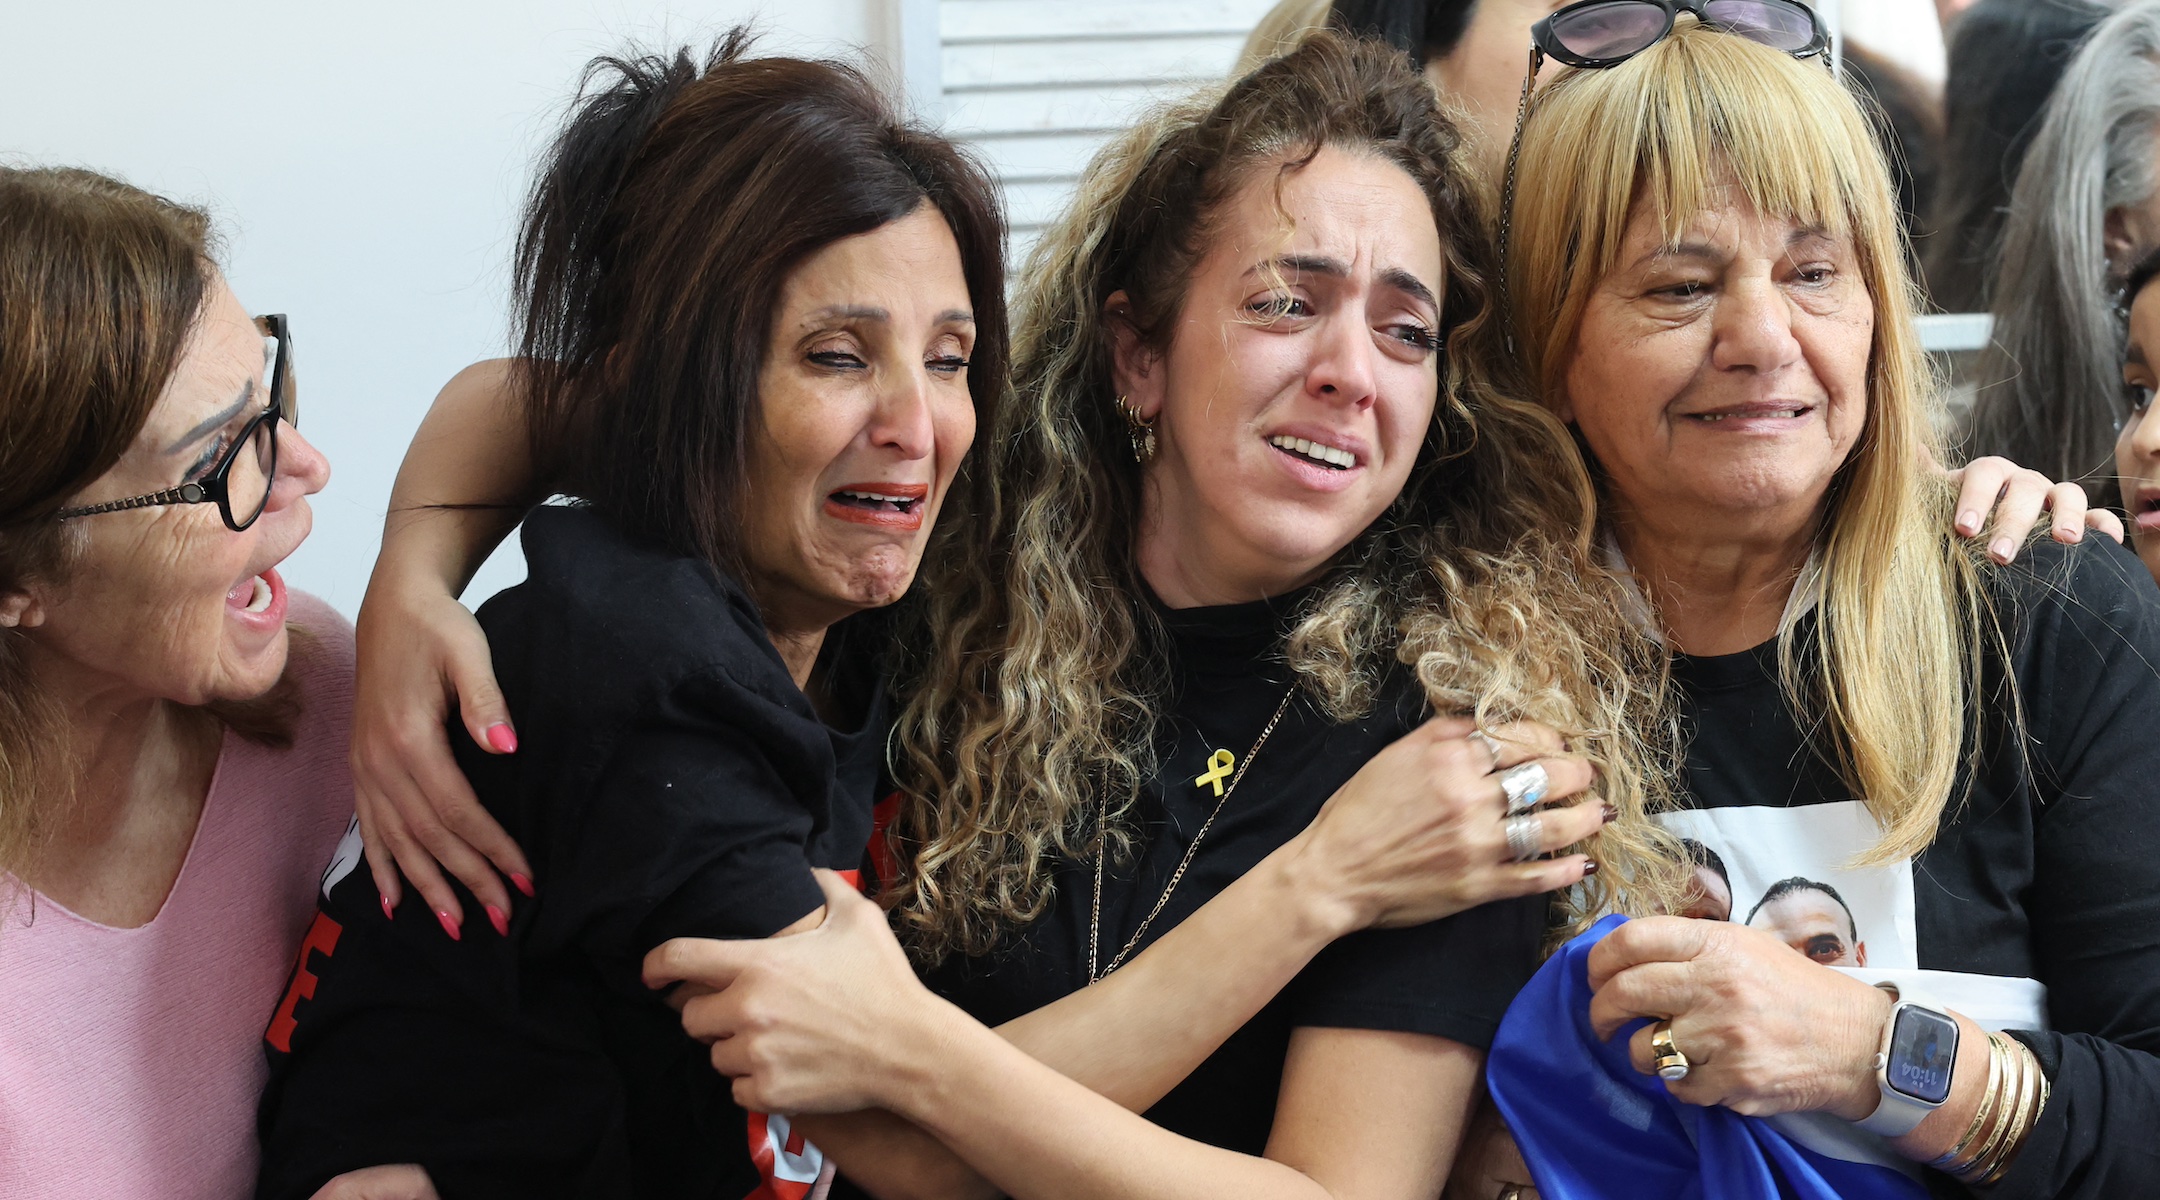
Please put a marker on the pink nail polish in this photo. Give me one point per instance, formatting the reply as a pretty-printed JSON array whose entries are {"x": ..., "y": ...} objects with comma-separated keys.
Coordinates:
[
  {"x": 503, "y": 738},
  {"x": 521, "y": 882},
  {"x": 449, "y": 923},
  {"x": 388, "y": 915},
  {"x": 498, "y": 920}
]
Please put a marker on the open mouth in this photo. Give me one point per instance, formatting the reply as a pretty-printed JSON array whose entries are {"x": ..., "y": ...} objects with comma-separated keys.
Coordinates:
[
  {"x": 1315, "y": 453},
  {"x": 2145, "y": 512},
  {"x": 878, "y": 502},
  {"x": 256, "y": 594}
]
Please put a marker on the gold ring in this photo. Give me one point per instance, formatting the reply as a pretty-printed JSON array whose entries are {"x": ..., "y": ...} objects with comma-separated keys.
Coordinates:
[{"x": 1672, "y": 1066}]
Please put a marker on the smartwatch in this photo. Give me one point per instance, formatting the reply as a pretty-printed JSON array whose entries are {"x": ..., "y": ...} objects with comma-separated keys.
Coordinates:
[{"x": 1914, "y": 1065}]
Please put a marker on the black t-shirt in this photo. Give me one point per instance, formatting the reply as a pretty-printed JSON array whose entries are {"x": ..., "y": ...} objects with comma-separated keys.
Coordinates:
[
  {"x": 1451, "y": 979},
  {"x": 671, "y": 780},
  {"x": 2041, "y": 893}
]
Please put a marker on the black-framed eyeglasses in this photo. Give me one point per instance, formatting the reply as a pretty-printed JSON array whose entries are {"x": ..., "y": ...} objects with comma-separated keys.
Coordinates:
[
  {"x": 1595, "y": 34},
  {"x": 239, "y": 484}
]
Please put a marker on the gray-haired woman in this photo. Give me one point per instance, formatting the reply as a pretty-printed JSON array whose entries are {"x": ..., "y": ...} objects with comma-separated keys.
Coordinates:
[{"x": 2086, "y": 198}]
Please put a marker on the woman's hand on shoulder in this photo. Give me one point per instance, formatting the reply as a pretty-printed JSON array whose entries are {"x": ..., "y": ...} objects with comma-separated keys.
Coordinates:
[
  {"x": 823, "y": 1021},
  {"x": 402, "y": 1182},
  {"x": 1420, "y": 832},
  {"x": 420, "y": 651},
  {"x": 2017, "y": 498},
  {"x": 1765, "y": 1029}
]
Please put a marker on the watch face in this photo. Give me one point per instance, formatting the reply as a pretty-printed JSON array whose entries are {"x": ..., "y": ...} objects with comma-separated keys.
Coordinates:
[{"x": 1923, "y": 1048}]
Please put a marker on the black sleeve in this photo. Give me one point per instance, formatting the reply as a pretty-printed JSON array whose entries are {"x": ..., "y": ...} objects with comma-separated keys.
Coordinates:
[
  {"x": 690, "y": 832},
  {"x": 398, "y": 1045},
  {"x": 2091, "y": 694},
  {"x": 1451, "y": 978}
]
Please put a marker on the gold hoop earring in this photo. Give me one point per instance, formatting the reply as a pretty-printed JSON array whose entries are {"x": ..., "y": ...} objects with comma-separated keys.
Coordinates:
[{"x": 1140, "y": 429}]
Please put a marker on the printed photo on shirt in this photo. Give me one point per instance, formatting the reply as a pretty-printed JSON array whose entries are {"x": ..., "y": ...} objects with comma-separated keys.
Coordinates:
[{"x": 1791, "y": 871}]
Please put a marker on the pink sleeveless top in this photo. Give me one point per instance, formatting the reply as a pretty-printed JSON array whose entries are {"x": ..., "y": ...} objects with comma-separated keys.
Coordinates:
[{"x": 130, "y": 1059}]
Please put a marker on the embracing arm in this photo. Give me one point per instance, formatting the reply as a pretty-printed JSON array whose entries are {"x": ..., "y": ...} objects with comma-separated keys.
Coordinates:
[
  {"x": 1361, "y": 1114},
  {"x": 834, "y": 1020},
  {"x": 1416, "y": 835},
  {"x": 1144, "y": 1028},
  {"x": 464, "y": 484}
]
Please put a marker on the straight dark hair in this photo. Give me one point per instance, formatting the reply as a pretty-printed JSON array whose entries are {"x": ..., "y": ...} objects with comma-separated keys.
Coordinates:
[
  {"x": 661, "y": 230},
  {"x": 1423, "y": 29}
]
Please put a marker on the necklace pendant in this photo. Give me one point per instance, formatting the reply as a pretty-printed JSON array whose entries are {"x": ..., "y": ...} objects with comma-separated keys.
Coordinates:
[{"x": 1220, "y": 766}]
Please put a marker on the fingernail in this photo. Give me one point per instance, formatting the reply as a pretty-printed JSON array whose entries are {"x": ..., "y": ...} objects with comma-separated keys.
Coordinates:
[
  {"x": 449, "y": 923},
  {"x": 1589, "y": 868},
  {"x": 2003, "y": 549},
  {"x": 1968, "y": 522},
  {"x": 502, "y": 737},
  {"x": 498, "y": 920},
  {"x": 521, "y": 882},
  {"x": 1611, "y": 813},
  {"x": 388, "y": 915}
]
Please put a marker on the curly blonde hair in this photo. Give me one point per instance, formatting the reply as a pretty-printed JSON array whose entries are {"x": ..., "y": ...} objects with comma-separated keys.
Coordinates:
[{"x": 1035, "y": 676}]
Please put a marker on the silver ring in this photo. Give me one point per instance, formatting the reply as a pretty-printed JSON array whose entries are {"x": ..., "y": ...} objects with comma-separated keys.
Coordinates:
[
  {"x": 1525, "y": 785},
  {"x": 1525, "y": 836},
  {"x": 1492, "y": 747}
]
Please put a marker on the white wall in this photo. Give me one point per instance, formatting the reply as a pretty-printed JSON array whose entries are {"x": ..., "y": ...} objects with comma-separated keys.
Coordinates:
[{"x": 365, "y": 162}]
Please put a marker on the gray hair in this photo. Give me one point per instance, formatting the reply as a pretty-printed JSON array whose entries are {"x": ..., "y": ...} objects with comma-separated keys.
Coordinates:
[{"x": 2050, "y": 383}]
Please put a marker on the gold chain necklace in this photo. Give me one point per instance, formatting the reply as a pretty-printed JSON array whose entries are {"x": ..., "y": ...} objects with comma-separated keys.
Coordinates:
[{"x": 1216, "y": 769}]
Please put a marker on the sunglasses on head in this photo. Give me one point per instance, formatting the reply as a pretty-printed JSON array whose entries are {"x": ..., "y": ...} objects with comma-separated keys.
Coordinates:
[
  {"x": 1606, "y": 33},
  {"x": 1595, "y": 34}
]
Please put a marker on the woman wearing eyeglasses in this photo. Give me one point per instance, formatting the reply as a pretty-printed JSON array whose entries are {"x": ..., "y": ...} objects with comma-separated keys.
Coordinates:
[
  {"x": 172, "y": 720},
  {"x": 1928, "y": 774}
]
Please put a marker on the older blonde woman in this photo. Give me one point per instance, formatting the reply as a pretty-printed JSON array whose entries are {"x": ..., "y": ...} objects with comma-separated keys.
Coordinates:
[{"x": 1708, "y": 284}]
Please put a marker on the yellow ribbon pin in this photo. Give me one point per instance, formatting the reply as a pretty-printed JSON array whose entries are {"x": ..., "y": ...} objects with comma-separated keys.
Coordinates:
[{"x": 1220, "y": 766}]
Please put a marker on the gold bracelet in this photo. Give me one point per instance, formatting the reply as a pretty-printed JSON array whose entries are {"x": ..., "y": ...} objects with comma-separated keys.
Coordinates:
[
  {"x": 2013, "y": 1123},
  {"x": 2029, "y": 1111},
  {"x": 2014, "y": 1097},
  {"x": 2016, "y": 1122},
  {"x": 1999, "y": 1127},
  {"x": 1953, "y": 1160}
]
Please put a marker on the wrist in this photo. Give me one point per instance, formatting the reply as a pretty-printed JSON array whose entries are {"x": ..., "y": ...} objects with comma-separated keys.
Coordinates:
[
  {"x": 1868, "y": 1016},
  {"x": 409, "y": 574},
  {"x": 1317, "y": 896},
  {"x": 924, "y": 1054}
]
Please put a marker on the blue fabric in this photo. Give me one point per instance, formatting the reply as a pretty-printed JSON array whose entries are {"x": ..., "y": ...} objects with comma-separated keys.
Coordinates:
[{"x": 1592, "y": 1127}]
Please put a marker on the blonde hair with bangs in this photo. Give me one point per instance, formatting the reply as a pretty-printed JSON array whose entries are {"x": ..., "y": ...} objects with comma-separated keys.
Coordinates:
[{"x": 1899, "y": 627}]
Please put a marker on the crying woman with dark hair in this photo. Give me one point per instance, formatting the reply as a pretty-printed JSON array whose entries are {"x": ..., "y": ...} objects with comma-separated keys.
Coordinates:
[{"x": 760, "y": 320}]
